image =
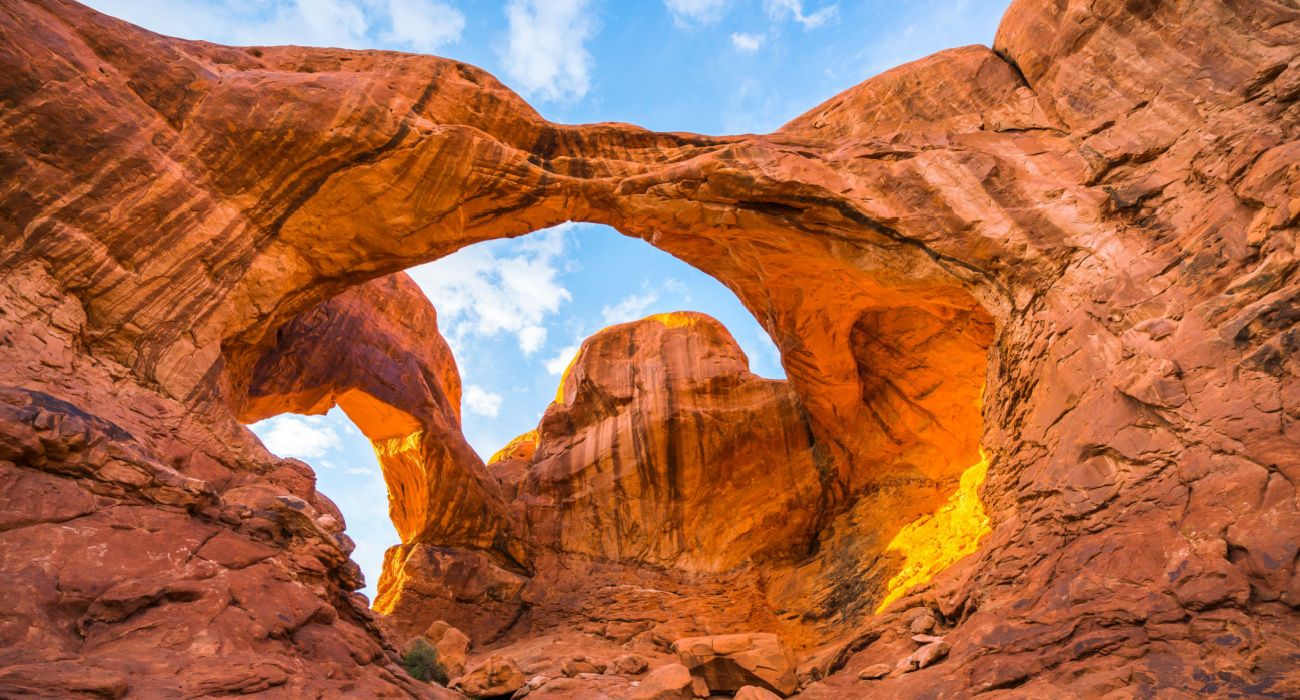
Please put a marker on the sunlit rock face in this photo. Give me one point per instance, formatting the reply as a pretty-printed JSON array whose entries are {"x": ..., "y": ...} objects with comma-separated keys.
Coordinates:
[
  {"x": 375, "y": 352},
  {"x": 1077, "y": 251},
  {"x": 664, "y": 449}
]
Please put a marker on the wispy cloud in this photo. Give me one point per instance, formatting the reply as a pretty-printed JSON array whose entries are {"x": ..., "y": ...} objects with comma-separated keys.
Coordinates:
[
  {"x": 687, "y": 12},
  {"x": 546, "y": 54},
  {"x": 556, "y": 365},
  {"x": 794, "y": 10},
  {"x": 629, "y": 308},
  {"x": 676, "y": 286},
  {"x": 925, "y": 27},
  {"x": 747, "y": 43},
  {"x": 425, "y": 25},
  {"x": 300, "y": 437},
  {"x": 754, "y": 107},
  {"x": 481, "y": 401},
  {"x": 416, "y": 25},
  {"x": 479, "y": 293}
]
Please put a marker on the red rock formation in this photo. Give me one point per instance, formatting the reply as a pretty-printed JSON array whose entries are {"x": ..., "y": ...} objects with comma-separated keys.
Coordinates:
[
  {"x": 666, "y": 450},
  {"x": 375, "y": 352},
  {"x": 662, "y": 449},
  {"x": 1095, "y": 223},
  {"x": 729, "y": 662}
]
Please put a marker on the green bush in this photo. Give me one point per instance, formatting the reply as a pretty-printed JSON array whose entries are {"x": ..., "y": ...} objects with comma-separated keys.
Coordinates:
[{"x": 421, "y": 661}]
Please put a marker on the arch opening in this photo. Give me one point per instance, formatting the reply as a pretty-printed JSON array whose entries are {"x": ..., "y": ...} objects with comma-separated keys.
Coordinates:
[
  {"x": 884, "y": 399},
  {"x": 323, "y": 358}
]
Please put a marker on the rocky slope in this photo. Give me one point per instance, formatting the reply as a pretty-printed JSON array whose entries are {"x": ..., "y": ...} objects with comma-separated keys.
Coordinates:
[{"x": 1076, "y": 250}]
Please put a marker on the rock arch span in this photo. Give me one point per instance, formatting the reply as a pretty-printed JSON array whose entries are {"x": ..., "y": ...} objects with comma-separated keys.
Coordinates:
[{"x": 1106, "y": 199}]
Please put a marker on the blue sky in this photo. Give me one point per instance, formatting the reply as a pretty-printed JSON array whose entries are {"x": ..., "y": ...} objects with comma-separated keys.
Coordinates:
[{"x": 514, "y": 311}]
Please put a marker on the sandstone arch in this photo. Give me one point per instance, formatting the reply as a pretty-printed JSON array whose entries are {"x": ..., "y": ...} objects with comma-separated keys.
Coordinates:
[{"x": 1114, "y": 185}]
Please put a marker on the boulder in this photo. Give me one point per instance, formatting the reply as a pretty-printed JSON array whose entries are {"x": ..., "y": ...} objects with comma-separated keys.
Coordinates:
[
  {"x": 452, "y": 646},
  {"x": 927, "y": 655},
  {"x": 630, "y": 665},
  {"x": 729, "y": 662},
  {"x": 753, "y": 692},
  {"x": 498, "y": 675},
  {"x": 671, "y": 682},
  {"x": 582, "y": 664},
  {"x": 920, "y": 620},
  {"x": 875, "y": 672}
]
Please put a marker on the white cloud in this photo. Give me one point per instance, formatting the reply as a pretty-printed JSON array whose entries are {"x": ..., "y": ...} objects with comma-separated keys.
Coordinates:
[
  {"x": 301, "y": 437},
  {"x": 556, "y": 365},
  {"x": 331, "y": 22},
  {"x": 754, "y": 107},
  {"x": 480, "y": 294},
  {"x": 425, "y": 25},
  {"x": 545, "y": 50},
  {"x": 531, "y": 339},
  {"x": 630, "y": 308},
  {"x": 419, "y": 25},
  {"x": 685, "y": 12},
  {"x": 746, "y": 42},
  {"x": 793, "y": 9},
  {"x": 676, "y": 286},
  {"x": 927, "y": 26},
  {"x": 479, "y": 400}
]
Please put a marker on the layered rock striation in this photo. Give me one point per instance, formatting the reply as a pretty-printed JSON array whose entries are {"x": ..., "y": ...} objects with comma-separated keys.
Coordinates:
[
  {"x": 661, "y": 450},
  {"x": 375, "y": 352},
  {"x": 664, "y": 449},
  {"x": 1076, "y": 250}
]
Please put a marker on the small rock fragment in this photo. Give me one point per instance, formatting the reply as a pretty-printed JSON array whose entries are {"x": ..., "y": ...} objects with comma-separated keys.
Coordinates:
[
  {"x": 630, "y": 665},
  {"x": 581, "y": 664},
  {"x": 925, "y": 656},
  {"x": 671, "y": 682},
  {"x": 498, "y": 675},
  {"x": 923, "y": 624},
  {"x": 452, "y": 646},
  {"x": 875, "y": 671},
  {"x": 753, "y": 692},
  {"x": 532, "y": 684},
  {"x": 729, "y": 662}
]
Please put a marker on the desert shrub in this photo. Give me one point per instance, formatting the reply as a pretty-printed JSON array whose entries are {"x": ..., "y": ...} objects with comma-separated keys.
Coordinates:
[{"x": 421, "y": 661}]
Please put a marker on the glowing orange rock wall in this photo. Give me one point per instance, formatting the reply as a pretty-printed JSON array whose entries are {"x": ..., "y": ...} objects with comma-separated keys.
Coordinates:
[
  {"x": 375, "y": 351},
  {"x": 666, "y": 450}
]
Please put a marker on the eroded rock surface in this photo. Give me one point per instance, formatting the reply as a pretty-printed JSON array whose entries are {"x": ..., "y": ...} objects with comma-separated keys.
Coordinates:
[
  {"x": 495, "y": 677},
  {"x": 375, "y": 352},
  {"x": 661, "y": 450},
  {"x": 1076, "y": 250},
  {"x": 726, "y": 663},
  {"x": 664, "y": 449}
]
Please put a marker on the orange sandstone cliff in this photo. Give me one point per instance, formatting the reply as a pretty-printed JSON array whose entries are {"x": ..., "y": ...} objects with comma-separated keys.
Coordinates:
[{"x": 1036, "y": 304}]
